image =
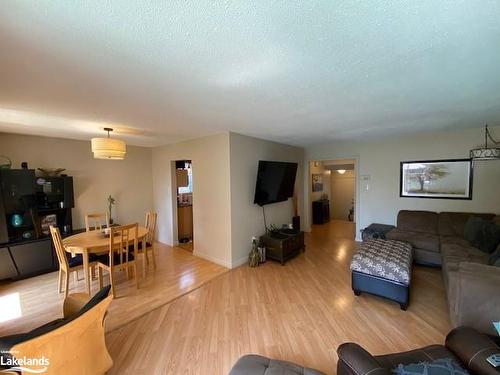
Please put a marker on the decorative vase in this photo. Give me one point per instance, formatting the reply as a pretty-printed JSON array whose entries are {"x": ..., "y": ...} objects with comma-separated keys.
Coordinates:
[
  {"x": 254, "y": 258},
  {"x": 262, "y": 254},
  {"x": 16, "y": 220}
]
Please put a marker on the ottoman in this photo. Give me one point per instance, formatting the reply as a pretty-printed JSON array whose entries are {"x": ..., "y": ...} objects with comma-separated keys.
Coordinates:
[
  {"x": 258, "y": 365},
  {"x": 383, "y": 268}
]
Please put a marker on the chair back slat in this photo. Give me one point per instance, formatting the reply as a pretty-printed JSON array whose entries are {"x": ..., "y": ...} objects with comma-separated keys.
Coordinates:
[
  {"x": 58, "y": 244},
  {"x": 119, "y": 240},
  {"x": 96, "y": 221},
  {"x": 151, "y": 225}
]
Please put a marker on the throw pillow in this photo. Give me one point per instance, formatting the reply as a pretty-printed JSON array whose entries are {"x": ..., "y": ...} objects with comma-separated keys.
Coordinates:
[
  {"x": 488, "y": 237},
  {"x": 495, "y": 258},
  {"x": 472, "y": 228},
  {"x": 444, "y": 366}
]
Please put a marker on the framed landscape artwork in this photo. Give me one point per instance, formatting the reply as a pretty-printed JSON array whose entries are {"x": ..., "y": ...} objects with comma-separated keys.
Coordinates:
[
  {"x": 444, "y": 179},
  {"x": 317, "y": 182}
]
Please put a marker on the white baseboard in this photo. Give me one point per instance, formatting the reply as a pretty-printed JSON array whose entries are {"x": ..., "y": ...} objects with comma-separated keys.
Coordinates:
[
  {"x": 220, "y": 262},
  {"x": 240, "y": 261}
]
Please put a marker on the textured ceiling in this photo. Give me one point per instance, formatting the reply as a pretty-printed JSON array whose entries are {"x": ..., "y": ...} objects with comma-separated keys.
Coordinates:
[{"x": 298, "y": 72}]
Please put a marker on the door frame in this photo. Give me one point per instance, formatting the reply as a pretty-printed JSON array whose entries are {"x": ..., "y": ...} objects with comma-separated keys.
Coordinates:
[
  {"x": 307, "y": 191},
  {"x": 173, "y": 187}
]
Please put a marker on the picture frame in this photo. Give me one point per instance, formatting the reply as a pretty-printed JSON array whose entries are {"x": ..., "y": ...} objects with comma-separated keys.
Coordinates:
[
  {"x": 317, "y": 182},
  {"x": 436, "y": 179}
]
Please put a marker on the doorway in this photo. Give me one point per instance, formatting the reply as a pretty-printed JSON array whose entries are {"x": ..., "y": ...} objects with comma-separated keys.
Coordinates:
[
  {"x": 332, "y": 197},
  {"x": 184, "y": 202}
]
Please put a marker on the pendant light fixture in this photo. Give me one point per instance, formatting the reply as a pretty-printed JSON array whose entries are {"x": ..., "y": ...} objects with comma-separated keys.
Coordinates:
[
  {"x": 486, "y": 152},
  {"x": 107, "y": 148}
]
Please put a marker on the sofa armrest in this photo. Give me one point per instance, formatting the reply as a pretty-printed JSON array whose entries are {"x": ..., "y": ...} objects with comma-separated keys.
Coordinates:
[
  {"x": 472, "y": 348},
  {"x": 354, "y": 360},
  {"x": 476, "y": 301}
]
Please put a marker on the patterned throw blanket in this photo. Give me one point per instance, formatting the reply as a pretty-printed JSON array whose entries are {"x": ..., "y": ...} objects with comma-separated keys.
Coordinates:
[{"x": 388, "y": 259}]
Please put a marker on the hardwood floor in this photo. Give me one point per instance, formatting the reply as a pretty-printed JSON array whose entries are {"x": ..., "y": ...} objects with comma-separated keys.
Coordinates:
[
  {"x": 177, "y": 273},
  {"x": 299, "y": 312}
]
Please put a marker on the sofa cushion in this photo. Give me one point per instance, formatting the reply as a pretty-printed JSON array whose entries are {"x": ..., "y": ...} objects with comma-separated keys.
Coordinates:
[
  {"x": 420, "y": 240},
  {"x": 454, "y": 240},
  {"x": 258, "y": 365},
  {"x": 418, "y": 221},
  {"x": 494, "y": 259},
  {"x": 466, "y": 253},
  {"x": 453, "y": 223},
  {"x": 473, "y": 228},
  {"x": 386, "y": 259},
  {"x": 488, "y": 238}
]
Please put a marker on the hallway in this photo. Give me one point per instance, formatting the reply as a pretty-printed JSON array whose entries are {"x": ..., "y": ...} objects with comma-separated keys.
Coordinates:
[{"x": 335, "y": 229}]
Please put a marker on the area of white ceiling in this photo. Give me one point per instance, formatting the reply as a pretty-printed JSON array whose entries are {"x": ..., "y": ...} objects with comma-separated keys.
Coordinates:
[{"x": 299, "y": 72}]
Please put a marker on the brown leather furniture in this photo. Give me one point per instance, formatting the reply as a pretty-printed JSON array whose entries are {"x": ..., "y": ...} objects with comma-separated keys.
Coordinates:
[{"x": 464, "y": 345}]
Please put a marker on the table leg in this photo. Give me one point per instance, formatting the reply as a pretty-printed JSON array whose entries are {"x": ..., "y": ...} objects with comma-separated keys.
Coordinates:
[
  {"x": 85, "y": 256},
  {"x": 144, "y": 259}
]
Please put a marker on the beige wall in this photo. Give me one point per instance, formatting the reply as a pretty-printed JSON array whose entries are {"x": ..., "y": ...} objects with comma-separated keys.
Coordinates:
[
  {"x": 211, "y": 195},
  {"x": 129, "y": 180},
  {"x": 246, "y": 217},
  {"x": 343, "y": 190},
  {"x": 379, "y": 159}
]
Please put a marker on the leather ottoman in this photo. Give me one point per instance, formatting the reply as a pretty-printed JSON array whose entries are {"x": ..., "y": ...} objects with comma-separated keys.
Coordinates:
[
  {"x": 258, "y": 365},
  {"x": 383, "y": 268}
]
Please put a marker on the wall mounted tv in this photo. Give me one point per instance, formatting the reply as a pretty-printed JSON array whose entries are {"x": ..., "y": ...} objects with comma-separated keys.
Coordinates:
[{"x": 275, "y": 182}]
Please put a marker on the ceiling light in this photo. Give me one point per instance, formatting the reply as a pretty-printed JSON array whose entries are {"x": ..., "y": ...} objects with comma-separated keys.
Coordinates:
[
  {"x": 486, "y": 153},
  {"x": 341, "y": 171},
  {"x": 107, "y": 148}
]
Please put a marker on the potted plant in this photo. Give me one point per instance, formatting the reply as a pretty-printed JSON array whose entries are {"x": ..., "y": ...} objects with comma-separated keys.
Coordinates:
[{"x": 111, "y": 203}]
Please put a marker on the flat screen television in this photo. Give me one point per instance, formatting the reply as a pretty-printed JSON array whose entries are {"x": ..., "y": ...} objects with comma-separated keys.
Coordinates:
[{"x": 275, "y": 182}]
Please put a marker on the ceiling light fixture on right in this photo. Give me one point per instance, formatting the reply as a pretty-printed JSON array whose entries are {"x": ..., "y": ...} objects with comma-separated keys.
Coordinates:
[
  {"x": 341, "y": 171},
  {"x": 486, "y": 153}
]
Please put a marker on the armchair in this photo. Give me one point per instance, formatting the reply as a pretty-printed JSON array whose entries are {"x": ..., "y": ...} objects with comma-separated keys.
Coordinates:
[{"x": 72, "y": 345}]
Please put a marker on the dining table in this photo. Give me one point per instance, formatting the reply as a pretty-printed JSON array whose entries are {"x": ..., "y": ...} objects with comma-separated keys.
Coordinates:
[{"x": 96, "y": 242}]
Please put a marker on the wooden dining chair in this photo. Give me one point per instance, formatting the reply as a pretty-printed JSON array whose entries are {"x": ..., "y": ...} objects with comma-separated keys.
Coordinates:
[
  {"x": 97, "y": 221},
  {"x": 67, "y": 263},
  {"x": 119, "y": 256},
  {"x": 150, "y": 237}
]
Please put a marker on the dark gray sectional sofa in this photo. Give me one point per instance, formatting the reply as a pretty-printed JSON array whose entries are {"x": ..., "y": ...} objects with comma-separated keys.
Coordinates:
[{"x": 472, "y": 285}]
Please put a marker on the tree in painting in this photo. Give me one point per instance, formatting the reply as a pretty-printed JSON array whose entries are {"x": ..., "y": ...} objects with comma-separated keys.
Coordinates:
[{"x": 428, "y": 173}]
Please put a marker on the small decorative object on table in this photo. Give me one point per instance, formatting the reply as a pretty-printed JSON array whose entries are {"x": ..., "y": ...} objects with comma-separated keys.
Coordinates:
[
  {"x": 254, "y": 258},
  {"x": 111, "y": 202}
]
